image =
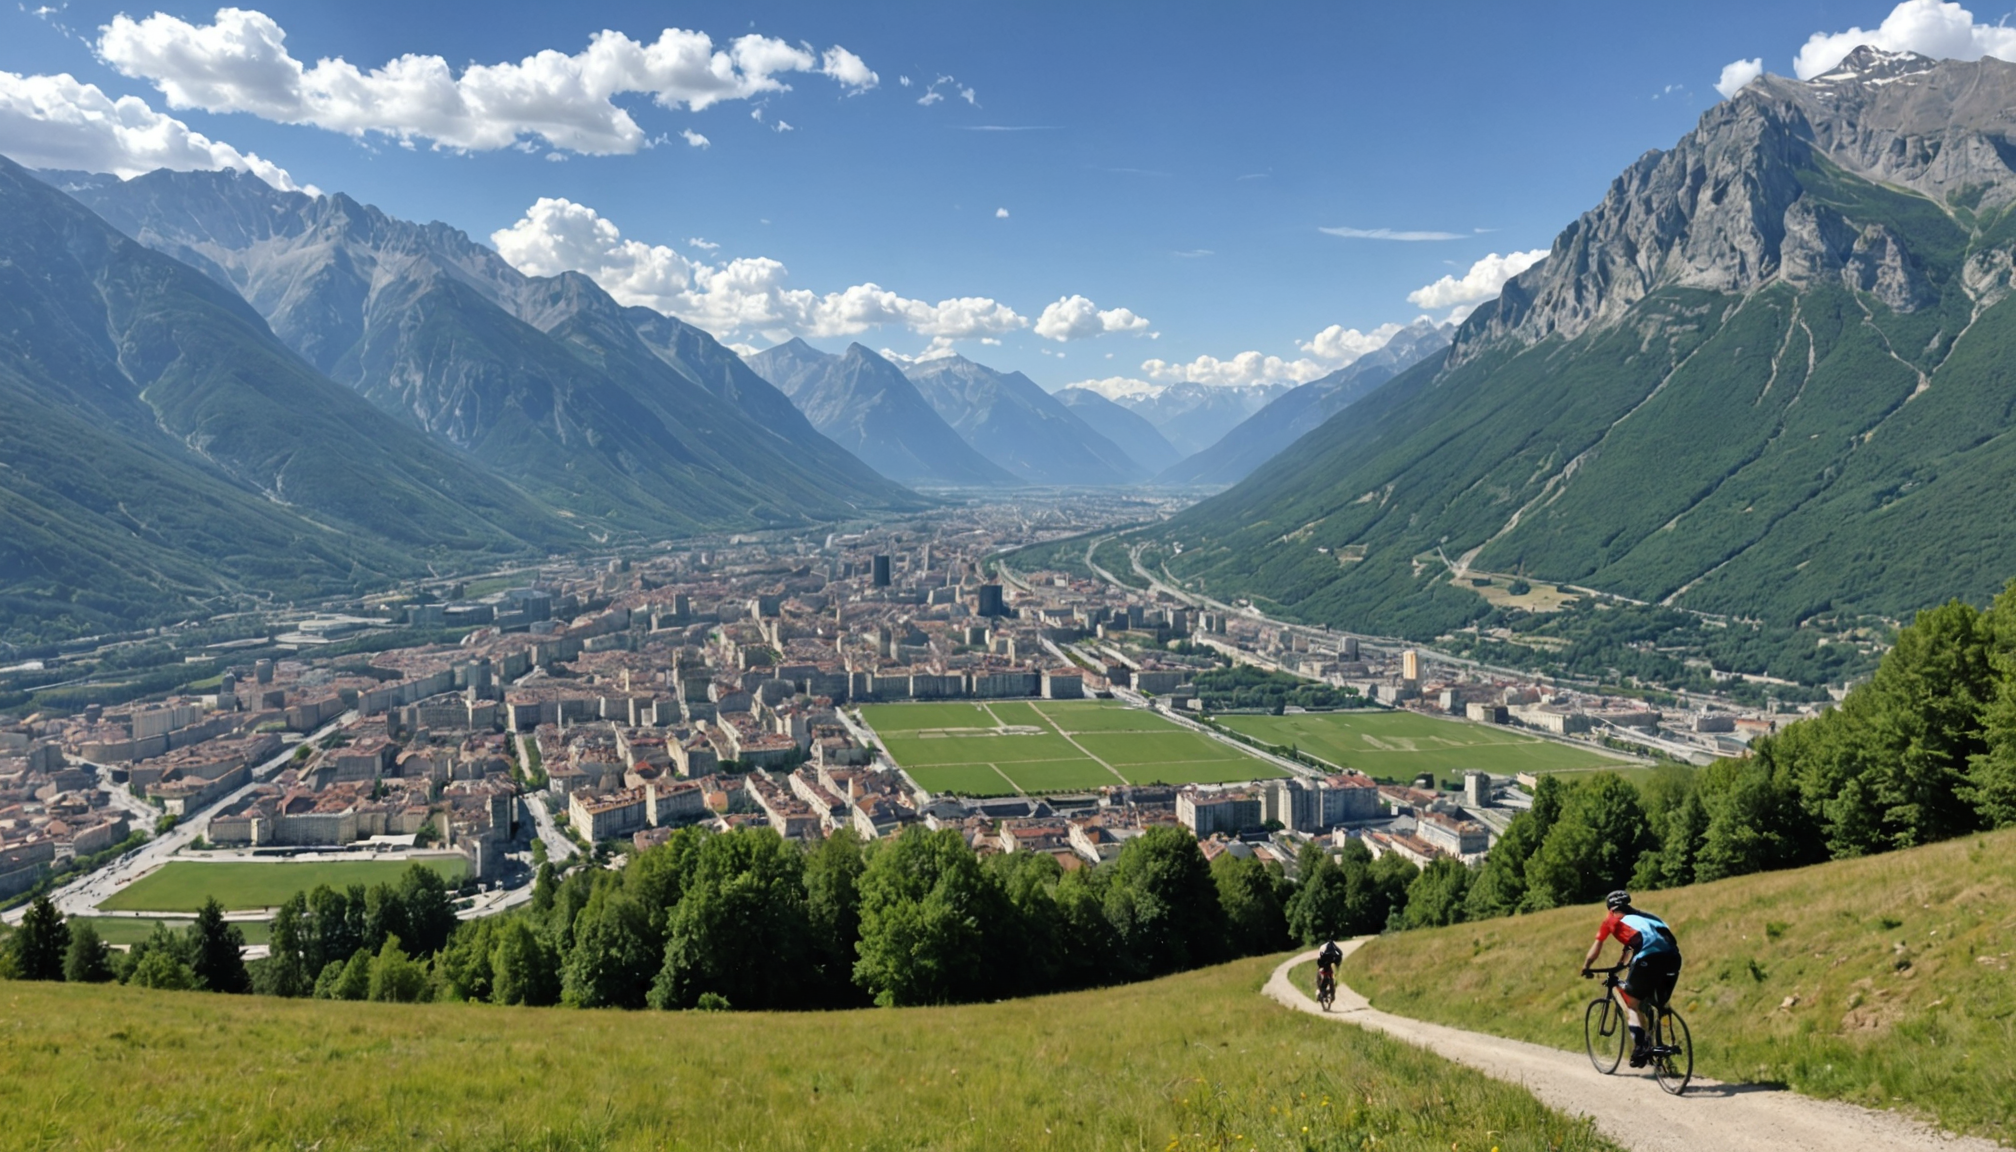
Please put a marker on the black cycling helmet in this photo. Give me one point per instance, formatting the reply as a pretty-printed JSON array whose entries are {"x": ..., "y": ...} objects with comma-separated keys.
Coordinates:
[{"x": 1618, "y": 899}]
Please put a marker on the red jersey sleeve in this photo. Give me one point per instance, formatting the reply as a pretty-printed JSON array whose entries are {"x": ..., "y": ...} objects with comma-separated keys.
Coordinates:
[{"x": 1609, "y": 927}]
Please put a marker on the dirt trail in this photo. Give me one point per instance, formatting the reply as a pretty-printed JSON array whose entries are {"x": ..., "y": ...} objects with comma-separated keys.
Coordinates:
[{"x": 1629, "y": 1107}]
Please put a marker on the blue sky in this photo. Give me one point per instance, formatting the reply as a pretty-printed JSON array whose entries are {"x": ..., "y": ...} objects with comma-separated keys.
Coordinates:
[{"x": 1175, "y": 161}]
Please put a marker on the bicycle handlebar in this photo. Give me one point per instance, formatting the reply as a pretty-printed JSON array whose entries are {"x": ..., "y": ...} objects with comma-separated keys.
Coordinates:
[{"x": 1592, "y": 973}]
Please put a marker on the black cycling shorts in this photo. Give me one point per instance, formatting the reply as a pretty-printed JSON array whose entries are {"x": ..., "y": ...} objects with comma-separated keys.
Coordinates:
[{"x": 1653, "y": 977}]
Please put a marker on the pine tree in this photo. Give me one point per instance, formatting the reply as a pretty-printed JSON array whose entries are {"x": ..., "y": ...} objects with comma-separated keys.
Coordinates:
[
  {"x": 40, "y": 942},
  {"x": 219, "y": 947},
  {"x": 87, "y": 960}
]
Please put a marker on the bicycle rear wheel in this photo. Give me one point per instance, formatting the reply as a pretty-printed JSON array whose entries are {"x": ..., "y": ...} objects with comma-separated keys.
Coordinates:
[
  {"x": 1604, "y": 1034},
  {"x": 1673, "y": 1066}
]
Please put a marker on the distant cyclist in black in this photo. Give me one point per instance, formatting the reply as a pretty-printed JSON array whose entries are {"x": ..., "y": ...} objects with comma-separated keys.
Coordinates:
[
  {"x": 1653, "y": 953},
  {"x": 1326, "y": 964}
]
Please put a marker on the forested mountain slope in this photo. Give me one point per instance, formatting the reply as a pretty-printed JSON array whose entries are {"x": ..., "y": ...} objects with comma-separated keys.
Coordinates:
[
  {"x": 1769, "y": 376},
  {"x": 161, "y": 448},
  {"x": 627, "y": 420}
]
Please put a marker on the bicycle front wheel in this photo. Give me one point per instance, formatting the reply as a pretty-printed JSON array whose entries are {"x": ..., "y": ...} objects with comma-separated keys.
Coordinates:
[
  {"x": 1673, "y": 1065},
  {"x": 1604, "y": 1034}
]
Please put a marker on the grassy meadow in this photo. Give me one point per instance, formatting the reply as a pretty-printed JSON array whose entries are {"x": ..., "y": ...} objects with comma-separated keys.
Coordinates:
[
  {"x": 1402, "y": 745},
  {"x": 1191, "y": 1062},
  {"x": 1040, "y": 747},
  {"x": 242, "y": 885},
  {"x": 1884, "y": 980}
]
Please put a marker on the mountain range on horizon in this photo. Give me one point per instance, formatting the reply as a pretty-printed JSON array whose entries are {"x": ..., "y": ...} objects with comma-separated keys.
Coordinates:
[{"x": 1766, "y": 377}]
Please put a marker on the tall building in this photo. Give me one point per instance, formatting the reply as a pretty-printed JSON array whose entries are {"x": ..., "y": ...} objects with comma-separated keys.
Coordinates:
[
  {"x": 987, "y": 602},
  {"x": 881, "y": 579},
  {"x": 1410, "y": 665}
]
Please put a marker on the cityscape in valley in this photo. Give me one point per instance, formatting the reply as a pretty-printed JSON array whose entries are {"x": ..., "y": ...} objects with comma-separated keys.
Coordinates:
[{"x": 414, "y": 599}]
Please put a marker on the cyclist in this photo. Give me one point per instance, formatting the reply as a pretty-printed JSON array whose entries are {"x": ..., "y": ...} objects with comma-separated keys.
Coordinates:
[
  {"x": 1653, "y": 953},
  {"x": 1326, "y": 964}
]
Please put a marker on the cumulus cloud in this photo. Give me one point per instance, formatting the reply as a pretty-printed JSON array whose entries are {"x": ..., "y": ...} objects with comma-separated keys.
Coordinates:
[
  {"x": 1389, "y": 234},
  {"x": 1344, "y": 345},
  {"x": 1077, "y": 318},
  {"x": 239, "y": 62},
  {"x": 1000, "y": 213},
  {"x": 1332, "y": 348},
  {"x": 1929, "y": 27},
  {"x": 1483, "y": 281},
  {"x": 694, "y": 138},
  {"x": 1118, "y": 387},
  {"x": 744, "y": 295},
  {"x": 703, "y": 244},
  {"x": 61, "y": 122},
  {"x": 1737, "y": 74}
]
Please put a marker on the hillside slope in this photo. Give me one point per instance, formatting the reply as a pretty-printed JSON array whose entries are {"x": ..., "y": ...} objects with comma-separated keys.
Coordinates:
[
  {"x": 1177, "y": 1065},
  {"x": 161, "y": 447},
  {"x": 1768, "y": 376},
  {"x": 1124, "y": 427},
  {"x": 1884, "y": 980},
  {"x": 627, "y": 420}
]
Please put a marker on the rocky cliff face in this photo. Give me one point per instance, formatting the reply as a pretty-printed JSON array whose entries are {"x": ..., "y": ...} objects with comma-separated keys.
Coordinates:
[{"x": 1743, "y": 200}]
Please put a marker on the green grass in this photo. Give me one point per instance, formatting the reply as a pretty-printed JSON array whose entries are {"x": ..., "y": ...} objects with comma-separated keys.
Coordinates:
[
  {"x": 133, "y": 929},
  {"x": 1402, "y": 745},
  {"x": 1884, "y": 981},
  {"x": 1192, "y": 1062},
  {"x": 183, "y": 885},
  {"x": 1140, "y": 747}
]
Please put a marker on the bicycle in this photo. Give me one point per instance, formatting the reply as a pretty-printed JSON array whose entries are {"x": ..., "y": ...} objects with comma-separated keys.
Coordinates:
[
  {"x": 1606, "y": 1035},
  {"x": 1326, "y": 988}
]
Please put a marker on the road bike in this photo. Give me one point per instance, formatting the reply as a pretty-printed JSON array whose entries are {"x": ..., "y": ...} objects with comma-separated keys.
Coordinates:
[
  {"x": 1606, "y": 1035},
  {"x": 1326, "y": 988}
]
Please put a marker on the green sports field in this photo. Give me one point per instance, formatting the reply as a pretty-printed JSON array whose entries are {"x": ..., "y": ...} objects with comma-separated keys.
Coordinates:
[
  {"x": 133, "y": 929},
  {"x": 1045, "y": 747},
  {"x": 183, "y": 885},
  {"x": 1402, "y": 745}
]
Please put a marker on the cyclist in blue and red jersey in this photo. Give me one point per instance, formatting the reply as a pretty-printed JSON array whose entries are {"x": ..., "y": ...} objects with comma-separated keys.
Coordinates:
[{"x": 1653, "y": 953}]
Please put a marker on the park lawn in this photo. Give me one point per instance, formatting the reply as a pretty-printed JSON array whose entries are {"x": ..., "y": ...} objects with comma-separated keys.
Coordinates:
[
  {"x": 901, "y": 719},
  {"x": 183, "y": 885},
  {"x": 1402, "y": 745},
  {"x": 1103, "y": 716},
  {"x": 1045, "y": 776},
  {"x": 134, "y": 929},
  {"x": 1883, "y": 981},
  {"x": 1199, "y": 772},
  {"x": 963, "y": 779},
  {"x": 1019, "y": 713},
  {"x": 1130, "y": 749},
  {"x": 913, "y": 751},
  {"x": 1191, "y": 1062}
]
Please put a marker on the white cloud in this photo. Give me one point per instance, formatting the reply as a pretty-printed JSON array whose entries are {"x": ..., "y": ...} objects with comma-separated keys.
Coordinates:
[
  {"x": 1389, "y": 234},
  {"x": 1344, "y": 345},
  {"x": 1939, "y": 30},
  {"x": 703, "y": 245},
  {"x": 743, "y": 295},
  {"x": 782, "y": 126},
  {"x": 1738, "y": 73},
  {"x": 1483, "y": 281},
  {"x": 1246, "y": 368},
  {"x": 1000, "y": 213},
  {"x": 903, "y": 80},
  {"x": 932, "y": 95},
  {"x": 1115, "y": 387},
  {"x": 1076, "y": 318},
  {"x": 62, "y": 122},
  {"x": 694, "y": 138},
  {"x": 239, "y": 63}
]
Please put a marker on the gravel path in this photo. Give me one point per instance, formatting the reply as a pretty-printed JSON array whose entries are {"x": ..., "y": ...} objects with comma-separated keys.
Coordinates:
[{"x": 1629, "y": 1108}]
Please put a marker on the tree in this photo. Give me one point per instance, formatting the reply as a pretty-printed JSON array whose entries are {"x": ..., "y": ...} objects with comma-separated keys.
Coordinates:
[
  {"x": 394, "y": 978},
  {"x": 926, "y": 912},
  {"x": 286, "y": 972},
  {"x": 1593, "y": 848},
  {"x": 544, "y": 885},
  {"x": 1162, "y": 901},
  {"x": 1500, "y": 886},
  {"x": 524, "y": 970},
  {"x": 833, "y": 915},
  {"x": 465, "y": 970},
  {"x": 345, "y": 979},
  {"x": 219, "y": 951},
  {"x": 1255, "y": 921},
  {"x": 1436, "y": 897},
  {"x": 162, "y": 970},
  {"x": 40, "y": 942},
  {"x": 1030, "y": 961},
  {"x": 1320, "y": 908},
  {"x": 1755, "y": 821},
  {"x": 427, "y": 908},
  {"x": 741, "y": 930},
  {"x": 87, "y": 960},
  {"x": 1991, "y": 772},
  {"x": 333, "y": 928},
  {"x": 613, "y": 956}
]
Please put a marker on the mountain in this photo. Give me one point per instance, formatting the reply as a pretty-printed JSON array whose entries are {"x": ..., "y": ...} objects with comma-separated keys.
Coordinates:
[
  {"x": 1768, "y": 376},
  {"x": 162, "y": 449},
  {"x": 1019, "y": 426},
  {"x": 628, "y": 423},
  {"x": 1134, "y": 435},
  {"x": 1293, "y": 414},
  {"x": 869, "y": 407},
  {"x": 1194, "y": 416}
]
